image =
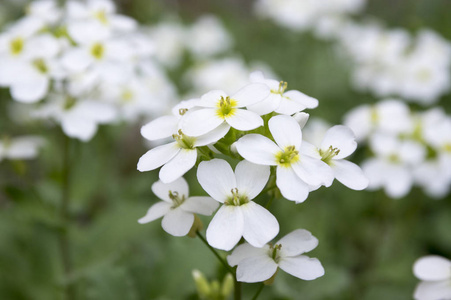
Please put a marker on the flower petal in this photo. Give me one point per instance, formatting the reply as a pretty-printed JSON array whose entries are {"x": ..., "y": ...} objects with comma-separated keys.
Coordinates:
[
  {"x": 161, "y": 190},
  {"x": 291, "y": 186},
  {"x": 211, "y": 98},
  {"x": 285, "y": 131},
  {"x": 313, "y": 171},
  {"x": 216, "y": 178},
  {"x": 256, "y": 269},
  {"x": 301, "y": 98},
  {"x": 433, "y": 290},
  {"x": 251, "y": 94},
  {"x": 155, "y": 211},
  {"x": 297, "y": 242},
  {"x": 289, "y": 107},
  {"x": 244, "y": 120},
  {"x": 81, "y": 128},
  {"x": 244, "y": 251},
  {"x": 200, "y": 205},
  {"x": 266, "y": 106},
  {"x": 177, "y": 222},
  {"x": 340, "y": 137},
  {"x": 432, "y": 268},
  {"x": 226, "y": 228},
  {"x": 251, "y": 178},
  {"x": 302, "y": 267},
  {"x": 160, "y": 128},
  {"x": 213, "y": 136},
  {"x": 349, "y": 174},
  {"x": 181, "y": 163},
  {"x": 260, "y": 226},
  {"x": 258, "y": 149},
  {"x": 199, "y": 122},
  {"x": 30, "y": 91},
  {"x": 158, "y": 156}
]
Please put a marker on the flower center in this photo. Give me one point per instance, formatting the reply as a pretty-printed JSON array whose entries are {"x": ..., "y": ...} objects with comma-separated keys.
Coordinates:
[
  {"x": 40, "y": 65},
  {"x": 374, "y": 116},
  {"x": 326, "y": 156},
  {"x": 236, "y": 199},
  {"x": 287, "y": 157},
  {"x": 69, "y": 103},
  {"x": 226, "y": 107},
  {"x": 16, "y": 46},
  {"x": 394, "y": 159},
  {"x": 97, "y": 50},
  {"x": 274, "y": 252},
  {"x": 177, "y": 200},
  {"x": 184, "y": 141},
  {"x": 424, "y": 75},
  {"x": 101, "y": 16},
  {"x": 282, "y": 87},
  {"x": 127, "y": 96}
]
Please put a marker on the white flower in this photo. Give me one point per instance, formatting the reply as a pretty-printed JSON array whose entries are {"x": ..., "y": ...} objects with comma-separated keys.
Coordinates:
[
  {"x": 338, "y": 143},
  {"x": 179, "y": 156},
  {"x": 279, "y": 100},
  {"x": 216, "y": 108},
  {"x": 46, "y": 10},
  {"x": 177, "y": 208},
  {"x": 239, "y": 216},
  {"x": 297, "y": 172},
  {"x": 260, "y": 264},
  {"x": 435, "y": 274},
  {"x": 24, "y": 147}
]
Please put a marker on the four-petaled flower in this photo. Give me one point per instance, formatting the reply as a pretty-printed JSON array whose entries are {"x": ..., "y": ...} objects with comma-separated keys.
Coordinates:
[
  {"x": 239, "y": 216},
  {"x": 177, "y": 209},
  {"x": 260, "y": 264}
]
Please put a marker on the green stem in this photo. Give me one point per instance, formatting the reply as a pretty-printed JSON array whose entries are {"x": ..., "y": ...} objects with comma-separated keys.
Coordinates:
[
  {"x": 69, "y": 290},
  {"x": 258, "y": 291},
  {"x": 237, "y": 290},
  {"x": 223, "y": 262}
]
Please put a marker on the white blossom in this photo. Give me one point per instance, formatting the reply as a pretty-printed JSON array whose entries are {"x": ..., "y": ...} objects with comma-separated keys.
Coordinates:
[{"x": 435, "y": 275}]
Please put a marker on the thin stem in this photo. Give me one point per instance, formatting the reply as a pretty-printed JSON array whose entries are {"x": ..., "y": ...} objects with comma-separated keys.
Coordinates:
[
  {"x": 223, "y": 262},
  {"x": 237, "y": 290},
  {"x": 69, "y": 290},
  {"x": 258, "y": 291}
]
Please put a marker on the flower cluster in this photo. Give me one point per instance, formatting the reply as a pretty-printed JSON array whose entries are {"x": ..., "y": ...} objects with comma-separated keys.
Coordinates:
[
  {"x": 407, "y": 147},
  {"x": 393, "y": 63},
  {"x": 261, "y": 126},
  {"x": 83, "y": 64},
  {"x": 435, "y": 275}
]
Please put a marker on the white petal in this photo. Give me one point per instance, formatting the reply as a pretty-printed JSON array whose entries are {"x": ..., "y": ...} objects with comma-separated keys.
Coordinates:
[
  {"x": 289, "y": 107},
  {"x": 244, "y": 251},
  {"x": 291, "y": 186},
  {"x": 24, "y": 147},
  {"x": 349, "y": 174},
  {"x": 300, "y": 98},
  {"x": 244, "y": 120},
  {"x": 76, "y": 60},
  {"x": 200, "y": 205},
  {"x": 285, "y": 131},
  {"x": 226, "y": 228},
  {"x": 303, "y": 267},
  {"x": 178, "y": 165},
  {"x": 160, "y": 128},
  {"x": 298, "y": 242},
  {"x": 95, "y": 110},
  {"x": 432, "y": 268},
  {"x": 260, "y": 226},
  {"x": 213, "y": 136},
  {"x": 251, "y": 94},
  {"x": 256, "y": 269},
  {"x": 251, "y": 178},
  {"x": 310, "y": 150},
  {"x": 340, "y": 137},
  {"x": 435, "y": 290},
  {"x": 87, "y": 32},
  {"x": 211, "y": 98},
  {"x": 398, "y": 181},
  {"x": 161, "y": 190},
  {"x": 216, "y": 178},
  {"x": 313, "y": 171},
  {"x": 177, "y": 222},
  {"x": 81, "y": 128},
  {"x": 258, "y": 149},
  {"x": 266, "y": 106},
  {"x": 30, "y": 91},
  {"x": 199, "y": 122},
  {"x": 155, "y": 211},
  {"x": 158, "y": 156}
]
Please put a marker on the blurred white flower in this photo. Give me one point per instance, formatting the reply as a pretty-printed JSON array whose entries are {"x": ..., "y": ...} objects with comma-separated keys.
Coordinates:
[
  {"x": 177, "y": 208},
  {"x": 297, "y": 171},
  {"x": 239, "y": 216},
  {"x": 435, "y": 275},
  {"x": 260, "y": 264},
  {"x": 20, "y": 148}
]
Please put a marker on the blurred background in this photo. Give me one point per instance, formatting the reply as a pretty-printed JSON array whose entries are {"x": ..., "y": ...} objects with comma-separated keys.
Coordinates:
[{"x": 368, "y": 241}]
